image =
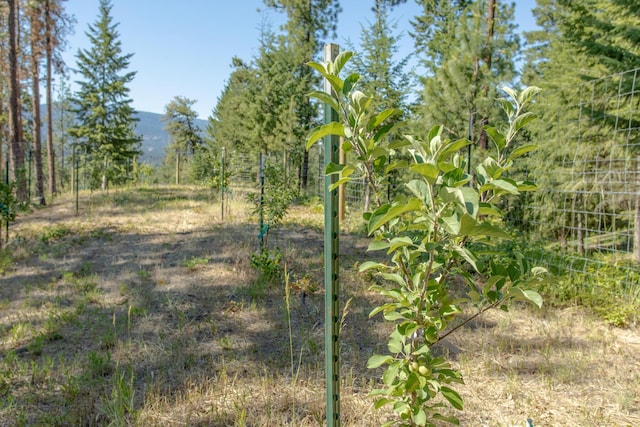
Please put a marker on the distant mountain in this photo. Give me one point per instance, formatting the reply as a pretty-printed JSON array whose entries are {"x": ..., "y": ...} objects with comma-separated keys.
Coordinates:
[{"x": 154, "y": 137}]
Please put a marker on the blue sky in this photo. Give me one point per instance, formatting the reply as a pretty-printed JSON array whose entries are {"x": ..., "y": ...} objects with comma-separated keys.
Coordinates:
[{"x": 184, "y": 47}]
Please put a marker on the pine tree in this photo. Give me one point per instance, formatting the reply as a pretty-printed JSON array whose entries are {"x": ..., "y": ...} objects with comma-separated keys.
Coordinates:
[
  {"x": 16, "y": 146},
  {"x": 56, "y": 26},
  {"x": 185, "y": 138},
  {"x": 381, "y": 73},
  {"x": 467, "y": 49},
  {"x": 35, "y": 41},
  {"x": 229, "y": 125},
  {"x": 309, "y": 22},
  {"x": 106, "y": 122}
]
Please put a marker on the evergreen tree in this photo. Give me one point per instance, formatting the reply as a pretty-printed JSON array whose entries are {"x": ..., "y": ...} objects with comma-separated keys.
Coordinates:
[
  {"x": 14, "y": 135},
  {"x": 57, "y": 25},
  {"x": 36, "y": 38},
  {"x": 578, "y": 42},
  {"x": 309, "y": 22},
  {"x": 381, "y": 73},
  {"x": 106, "y": 122},
  {"x": 256, "y": 113},
  {"x": 467, "y": 49},
  {"x": 185, "y": 137},
  {"x": 229, "y": 124}
]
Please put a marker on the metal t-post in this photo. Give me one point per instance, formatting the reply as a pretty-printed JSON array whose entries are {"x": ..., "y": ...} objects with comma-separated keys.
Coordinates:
[
  {"x": 261, "y": 204},
  {"x": 222, "y": 189},
  {"x": 331, "y": 264}
]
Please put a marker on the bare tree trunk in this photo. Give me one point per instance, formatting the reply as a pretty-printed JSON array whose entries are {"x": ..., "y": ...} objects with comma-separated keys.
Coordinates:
[
  {"x": 37, "y": 121},
  {"x": 51, "y": 154},
  {"x": 16, "y": 148},
  {"x": 483, "y": 140},
  {"x": 177, "y": 168}
]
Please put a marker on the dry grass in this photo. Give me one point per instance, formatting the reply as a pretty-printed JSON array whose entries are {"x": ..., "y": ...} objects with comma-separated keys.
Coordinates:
[{"x": 144, "y": 310}]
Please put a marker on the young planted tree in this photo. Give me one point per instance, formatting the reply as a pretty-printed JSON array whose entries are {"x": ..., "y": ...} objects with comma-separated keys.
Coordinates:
[
  {"x": 443, "y": 267},
  {"x": 185, "y": 137},
  {"x": 105, "y": 127}
]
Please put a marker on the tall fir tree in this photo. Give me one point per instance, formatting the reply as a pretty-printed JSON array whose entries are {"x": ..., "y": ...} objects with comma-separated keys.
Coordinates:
[
  {"x": 257, "y": 112},
  {"x": 382, "y": 72},
  {"x": 14, "y": 135},
  {"x": 106, "y": 120},
  {"x": 229, "y": 123},
  {"x": 309, "y": 23}
]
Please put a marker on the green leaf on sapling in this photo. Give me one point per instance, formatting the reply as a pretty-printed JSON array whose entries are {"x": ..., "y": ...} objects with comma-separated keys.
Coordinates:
[
  {"x": 497, "y": 137},
  {"x": 333, "y": 128}
]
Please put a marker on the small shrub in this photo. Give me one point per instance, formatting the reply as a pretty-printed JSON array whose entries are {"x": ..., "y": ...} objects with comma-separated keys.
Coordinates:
[{"x": 268, "y": 263}]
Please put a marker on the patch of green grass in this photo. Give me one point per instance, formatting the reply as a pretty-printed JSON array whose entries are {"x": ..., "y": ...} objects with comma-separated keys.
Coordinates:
[
  {"x": 6, "y": 261},
  {"x": 52, "y": 233},
  {"x": 194, "y": 262}
]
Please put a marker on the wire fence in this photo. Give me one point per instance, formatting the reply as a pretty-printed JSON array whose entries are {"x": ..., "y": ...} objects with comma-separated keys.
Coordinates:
[
  {"x": 586, "y": 213},
  {"x": 588, "y": 206}
]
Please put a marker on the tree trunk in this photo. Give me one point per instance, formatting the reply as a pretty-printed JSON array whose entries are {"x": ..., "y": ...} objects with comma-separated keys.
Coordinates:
[
  {"x": 16, "y": 148},
  {"x": 51, "y": 155},
  {"x": 104, "y": 182},
  {"x": 177, "y": 168},
  {"x": 483, "y": 140},
  {"x": 37, "y": 121}
]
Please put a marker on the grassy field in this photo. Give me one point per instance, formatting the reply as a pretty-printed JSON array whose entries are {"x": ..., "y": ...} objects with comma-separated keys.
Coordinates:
[{"x": 145, "y": 310}]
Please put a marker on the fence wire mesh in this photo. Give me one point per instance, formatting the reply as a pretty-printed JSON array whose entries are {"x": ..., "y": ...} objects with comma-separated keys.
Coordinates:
[{"x": 588, "y": 206}]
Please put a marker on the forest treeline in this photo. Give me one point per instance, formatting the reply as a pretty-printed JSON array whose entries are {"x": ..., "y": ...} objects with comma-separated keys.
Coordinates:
[{"x": 463, "y": 52}]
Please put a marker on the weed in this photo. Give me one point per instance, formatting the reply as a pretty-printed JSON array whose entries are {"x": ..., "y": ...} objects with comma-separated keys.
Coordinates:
[
  {"x": 118, "y": 408},
  {"x": 194, "y": 262},
  {"x": 99, "y": 364},
  {"x": 85, "y": 269},
  {"x": 6, "y": 261},
  {"x": 53, "y": 233},
  {"x": 143, "y": 274},
  {"x": 225, "y": 343},
  {"x": 268, "y": 264},
  {"x": 20, "y": 331}
]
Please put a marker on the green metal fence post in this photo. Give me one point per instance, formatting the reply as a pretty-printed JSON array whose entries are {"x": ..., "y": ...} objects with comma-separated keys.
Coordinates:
[
  {"x": 261, "y": 203},
  {"x": 331, "y": 265},
  {"x": 222, "y": 184}
]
